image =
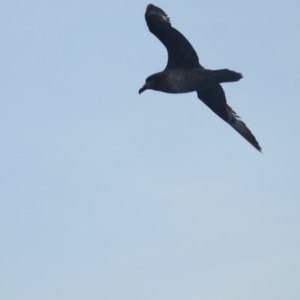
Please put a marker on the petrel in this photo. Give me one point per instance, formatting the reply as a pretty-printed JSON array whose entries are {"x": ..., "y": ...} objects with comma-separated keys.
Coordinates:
[{"x": 184, "y": 74}]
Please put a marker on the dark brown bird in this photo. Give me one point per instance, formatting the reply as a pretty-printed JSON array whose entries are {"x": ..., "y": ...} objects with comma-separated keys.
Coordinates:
[{"x": 184, "y": 73}]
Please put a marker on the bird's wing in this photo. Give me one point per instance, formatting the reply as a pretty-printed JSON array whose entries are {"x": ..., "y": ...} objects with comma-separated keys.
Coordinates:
[
  {"x": 214, "y": 98},
  {"x": 181, "y": 54}
]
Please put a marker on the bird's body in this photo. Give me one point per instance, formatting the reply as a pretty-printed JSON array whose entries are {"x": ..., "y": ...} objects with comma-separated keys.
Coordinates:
[
  {"x": 184, "y": 74},
  {"x": 190, "y": 80}
]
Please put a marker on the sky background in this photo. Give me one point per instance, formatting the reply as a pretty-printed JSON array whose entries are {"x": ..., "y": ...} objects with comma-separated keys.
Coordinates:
[{"x": 108, "y": 194}]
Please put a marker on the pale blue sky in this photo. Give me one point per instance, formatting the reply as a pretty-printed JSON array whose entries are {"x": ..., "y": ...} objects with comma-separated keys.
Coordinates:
[{"x": 108, "y": 194}]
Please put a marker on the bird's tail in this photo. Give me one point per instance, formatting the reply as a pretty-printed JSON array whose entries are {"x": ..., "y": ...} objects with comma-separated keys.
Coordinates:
[{"x": 225, "y": 75}]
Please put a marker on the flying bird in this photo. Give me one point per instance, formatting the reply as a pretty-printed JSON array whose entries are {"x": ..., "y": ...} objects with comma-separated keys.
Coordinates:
[{"x": 184, "y": 74}]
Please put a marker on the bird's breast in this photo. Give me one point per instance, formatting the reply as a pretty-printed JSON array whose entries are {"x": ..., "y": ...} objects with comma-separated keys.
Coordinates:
[{"x": 183, "y": 81}]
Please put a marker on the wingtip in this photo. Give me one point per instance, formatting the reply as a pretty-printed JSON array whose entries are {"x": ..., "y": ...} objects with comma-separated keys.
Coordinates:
[
  {"x": 149, "y": 6},
  {"x": 259, "y": 149},
  {"x": 153, "y": 10},
  {"x": 244, "y": 131}
]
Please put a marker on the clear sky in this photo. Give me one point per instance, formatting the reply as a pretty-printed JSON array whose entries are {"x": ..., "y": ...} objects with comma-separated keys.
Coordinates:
[{"x": 108, "y": 194}]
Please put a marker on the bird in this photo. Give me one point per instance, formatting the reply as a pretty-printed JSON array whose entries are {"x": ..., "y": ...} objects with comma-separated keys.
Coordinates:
[{"x": 183, "y": 73}]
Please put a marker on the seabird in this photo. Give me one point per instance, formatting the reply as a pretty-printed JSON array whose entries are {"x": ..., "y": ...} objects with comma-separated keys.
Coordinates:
[{"x": 184, "y": 73}]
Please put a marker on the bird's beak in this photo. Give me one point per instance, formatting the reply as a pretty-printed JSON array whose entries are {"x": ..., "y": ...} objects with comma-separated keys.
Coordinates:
[{"x": 142, "y": 89}]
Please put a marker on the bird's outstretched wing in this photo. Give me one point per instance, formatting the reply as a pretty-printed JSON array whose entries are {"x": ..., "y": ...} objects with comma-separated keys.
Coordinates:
[
  {"x": 214, "y": 98},
  {"x": 181, "y": 54}
]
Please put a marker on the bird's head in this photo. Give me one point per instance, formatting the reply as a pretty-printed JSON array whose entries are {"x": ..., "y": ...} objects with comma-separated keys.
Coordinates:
[{"x": 152, "y": 83}]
